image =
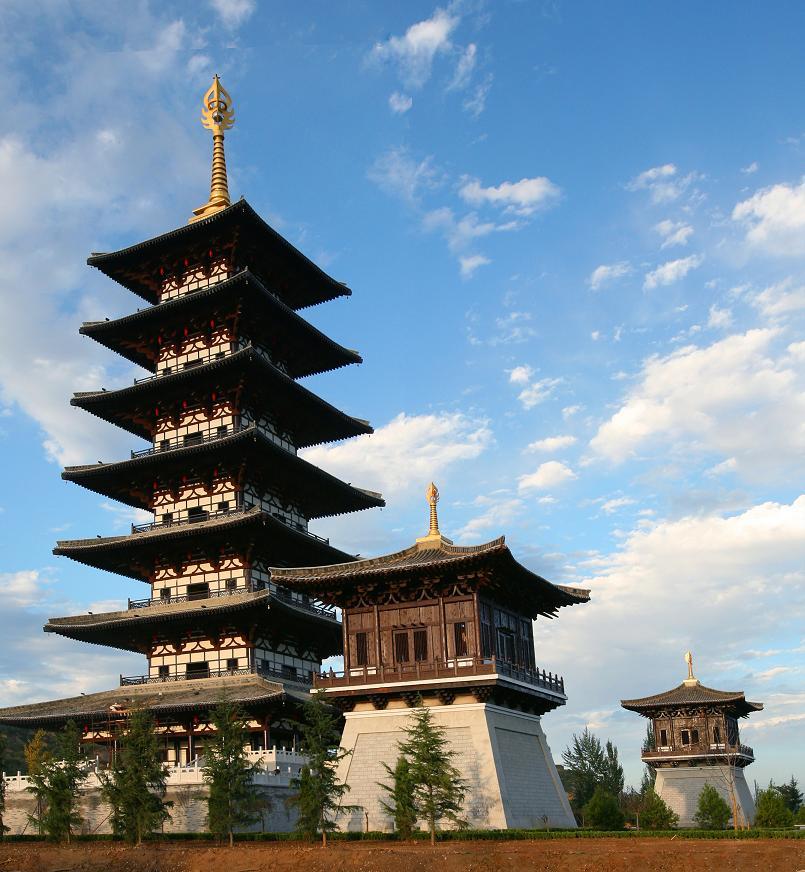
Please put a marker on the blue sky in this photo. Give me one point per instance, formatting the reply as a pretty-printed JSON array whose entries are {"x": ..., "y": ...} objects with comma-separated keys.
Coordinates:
[{"x": 576, "y": 238}]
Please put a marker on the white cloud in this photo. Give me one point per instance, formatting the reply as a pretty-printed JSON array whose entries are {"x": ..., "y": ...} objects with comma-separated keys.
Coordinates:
[
  {"x": 409, "y": 450},
  {"x": 750, "y": 168},
  {"x": 462, "y": 232},
  {"x": 521, "y": 198},
  {"x": 548, "y": 475},
  {"x": 739, "y": 398},
  {"x": 475, "y": 101},
  {"x": 609, "y": 507},
  {"x": 498, "y": 516},
  {"x": 537, "y": 392},
  {"x": 470, "y": 263},
  {"x": 719, "y": 319},
  {"x": 673, "y": 232},
  {"x": 464, "y": 68},
  {"x": 397, "y": 173},
  {"x": 233, "y": 12},
  {"x": 570, "y": 411},
  {"x": 414, "y": 51},
  {"x": 551, "y": 443},
  {"x": 780, "y": 300},
  {"x": 671, "y": 271},
  {"x": 775, "y": 219},
  {"x": 663, "y": 183},
  {"x": 400, "y": 103},
  {"x": 607, "y": 273},
  {"x": 521, "y": 375}
]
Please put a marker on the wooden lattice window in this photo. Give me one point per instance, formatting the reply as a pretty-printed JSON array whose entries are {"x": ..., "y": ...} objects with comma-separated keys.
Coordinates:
[
  {"x": 420, "y": 645},
  {"x": 401, "y": 652},
  {"x": 685, "y": 737},
  {"x": 460, "y": 638},
  {"x": 361, "y": 649},
  {"x": 663, "y": 738}
]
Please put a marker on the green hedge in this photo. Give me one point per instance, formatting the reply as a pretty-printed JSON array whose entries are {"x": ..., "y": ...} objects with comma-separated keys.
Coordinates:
[{"x": 459, "y": 836}]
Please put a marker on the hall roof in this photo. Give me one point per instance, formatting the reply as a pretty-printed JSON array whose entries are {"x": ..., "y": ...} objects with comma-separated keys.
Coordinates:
[
  {"x": 239, "y": 232},
  {"x": 690, "y": 693}
]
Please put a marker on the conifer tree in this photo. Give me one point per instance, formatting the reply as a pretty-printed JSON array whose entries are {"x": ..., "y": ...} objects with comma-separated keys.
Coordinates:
[
  {"x": 656, "y": 814},
  {"x": 319, "y": 793},
  {"x": 612, "y": 772},
  {"x": 401, "y": 795},
  {"x": 135, "y": 786},
  {"x": 602, "y": 811},
  {"x": 771, "y": 810},
  {"x": 791, "y": 794},
  {"x": 56, "y": 787},
  {"x": 585, "y": 762},
  {"x": 712, "y": 812},
  {"x": 37, "y": 754},
  {"x": 438, "y": 788},
  {"x": 233, "y": 800}
]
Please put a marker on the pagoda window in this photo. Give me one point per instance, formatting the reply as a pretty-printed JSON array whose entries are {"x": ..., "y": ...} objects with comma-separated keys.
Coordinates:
[
  {"x": 460, "y": 638},
  {"x": 164, "y": 444},
  {"x": 223, "y": 507},
  {"x": 420, "y": 645},
  {"x": 486, "y": 630},
  {"x": 194, "y": 438},
  {"x": 401, "y": 651},
  {"x": 197, "y": 670},
  {"x": 506, "y": 646},
  {"x": 685, "y": 737},
  {"x": 189, "y": 364},
  {"x": 717, "y": 734},
  {"x": 732, "y": 731},
  {"x": 232, "y": 664},
  {"x": 361, "y": 649},
  {"x": 197, "y": 514},
  {"x": 198, "y": 591},
  {"x": 167, "y": 518},
  {"x": 222, "y": 430},
  {"x": 165, "y": 594},
  {"x": 231, "y": 584},
  {"x": 663, "y": 738},
  {"x": 164, "y": 672},
  {"x": 288, "y": 671}
]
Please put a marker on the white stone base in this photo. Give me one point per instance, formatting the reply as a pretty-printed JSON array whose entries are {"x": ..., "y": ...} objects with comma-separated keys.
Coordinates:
[
  {"x": 502, "y": 754},
  {"x": 680, "y": 788}
]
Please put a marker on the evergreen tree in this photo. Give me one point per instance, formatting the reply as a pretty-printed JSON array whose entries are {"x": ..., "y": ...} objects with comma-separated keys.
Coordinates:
[
  {"x": 584, "y": 763},
  {"x": 712, "y": 812},
  {"x": 648, "y": 779},
  {"x": 401, "y": 795},
  {"x": 799, "y": 817},
  {"x": 37, "y": 754},
  {"x": 438, "y": 788},
  {"x": 56, "y": 787},
  {"x": 602, "y": 811},
  {"x": 135, "y": 787},
  {"x": 771, "y": 810},
  {"x": 3, "y": 827},
  {"x": 612, "y": 773},
  {"x": 233, "y": 799},
  {"x": 791, "y": 794},
  {"x": 319, "y": 792},
  {"x": 655, "y": 813}
]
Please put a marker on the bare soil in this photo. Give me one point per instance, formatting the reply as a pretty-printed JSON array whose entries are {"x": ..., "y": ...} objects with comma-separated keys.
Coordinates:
[{"x": 571, "y": 855}]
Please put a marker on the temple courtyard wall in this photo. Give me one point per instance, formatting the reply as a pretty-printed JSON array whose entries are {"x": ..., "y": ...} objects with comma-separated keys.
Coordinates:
[
  {"x": 503, "y": 755},
  {"x": 680, "y": 788}
]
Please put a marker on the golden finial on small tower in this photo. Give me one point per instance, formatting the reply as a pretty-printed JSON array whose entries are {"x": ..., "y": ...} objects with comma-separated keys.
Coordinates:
[
  {"x": 691, "y": 679},
  {"x": 434, "y": 537},
  {"x": 217, "y": 115}
]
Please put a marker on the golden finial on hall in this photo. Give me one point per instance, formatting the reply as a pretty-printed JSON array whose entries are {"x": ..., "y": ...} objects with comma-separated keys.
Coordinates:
[
  {"x": 217, "y": 115},
  {"x": 434, "y": 538},
  {"x": 691, "y": 679}
]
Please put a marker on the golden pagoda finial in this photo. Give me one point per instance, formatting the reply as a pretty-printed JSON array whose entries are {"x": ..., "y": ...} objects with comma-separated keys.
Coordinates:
[
  {"x": 217, "y": 115},
  {"x": 434, "y": 538},
  {"x": 691, "y": 679}
]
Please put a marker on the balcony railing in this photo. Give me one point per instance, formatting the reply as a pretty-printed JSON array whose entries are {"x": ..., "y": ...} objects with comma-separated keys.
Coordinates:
[
  {"x": 208, "y": 516},
  {"x": 263, "y": 671},
  {"x": 435, "y": 669},
  {"x": 698, "y": 749},
  {"x": 200, "y": 439},
  {"x": 278, "y": 592},
  {"x": 190, "y": 364}
]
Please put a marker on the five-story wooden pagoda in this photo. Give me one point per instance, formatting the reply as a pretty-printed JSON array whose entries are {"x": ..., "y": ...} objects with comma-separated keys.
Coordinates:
[{"x": 225, "y": 416}]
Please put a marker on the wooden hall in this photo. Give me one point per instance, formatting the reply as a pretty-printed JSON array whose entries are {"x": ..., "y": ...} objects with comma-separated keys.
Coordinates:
[{"x": 449, "y": 627}]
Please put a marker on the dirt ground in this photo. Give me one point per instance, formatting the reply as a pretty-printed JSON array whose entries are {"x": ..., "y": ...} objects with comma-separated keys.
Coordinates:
[{"x": 570, "y": 855}]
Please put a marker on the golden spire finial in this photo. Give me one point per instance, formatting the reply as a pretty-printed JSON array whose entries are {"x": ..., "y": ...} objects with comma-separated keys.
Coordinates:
[
  {"x": 217, "y": 115},
  {"x": 434, "y": 539},
  {"x": 691, "y": 679}
]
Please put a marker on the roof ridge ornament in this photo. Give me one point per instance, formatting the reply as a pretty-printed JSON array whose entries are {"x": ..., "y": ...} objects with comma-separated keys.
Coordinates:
[
  {"x": 217, "y": 115},
  {"x": 434, "y": 539},
  {"x": 691, "y": 680}
]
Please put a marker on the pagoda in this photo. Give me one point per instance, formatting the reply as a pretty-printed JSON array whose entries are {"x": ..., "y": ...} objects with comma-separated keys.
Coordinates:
[
  {"x": 227, "y": 493},
  {"x": 695, "y": 740},
  {"x": 448, "y": 627}
]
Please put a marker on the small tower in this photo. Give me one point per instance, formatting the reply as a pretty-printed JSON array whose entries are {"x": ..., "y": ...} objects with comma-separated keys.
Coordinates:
[
  {"x": 449, "y": 627},
  {"x": 696, "y": 741}
]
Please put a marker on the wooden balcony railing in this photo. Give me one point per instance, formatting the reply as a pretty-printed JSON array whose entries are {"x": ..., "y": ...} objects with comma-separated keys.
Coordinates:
[
  {"x": 271, "y": 672},
  {"x": 699, "y": 749},
  {"x": 434, "y": 669}
]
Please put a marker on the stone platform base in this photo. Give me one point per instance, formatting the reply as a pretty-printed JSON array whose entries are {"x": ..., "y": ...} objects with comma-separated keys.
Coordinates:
[
  {"x": 502, "y": 754},
  {"x": 680, "y": 788},
  {"x": 188, "y": 814}
]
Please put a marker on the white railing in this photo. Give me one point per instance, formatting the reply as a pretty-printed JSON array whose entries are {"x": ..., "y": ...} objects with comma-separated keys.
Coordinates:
[{"x": 277, "y": 767}]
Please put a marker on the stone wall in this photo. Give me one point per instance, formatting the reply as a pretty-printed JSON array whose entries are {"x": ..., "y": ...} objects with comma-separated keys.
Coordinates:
[{"x": 680, "y": 788}]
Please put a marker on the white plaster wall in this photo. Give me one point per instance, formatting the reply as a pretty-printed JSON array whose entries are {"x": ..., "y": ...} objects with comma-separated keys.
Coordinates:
[
  {"x": 680, "y": 788},
  {"x": 503, "y": 756}
]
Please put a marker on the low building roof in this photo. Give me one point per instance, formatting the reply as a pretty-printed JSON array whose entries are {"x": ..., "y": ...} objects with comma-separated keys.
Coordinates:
[
  {"x": 692, "y": 693},
  {"x": 190, "y": 695}
]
